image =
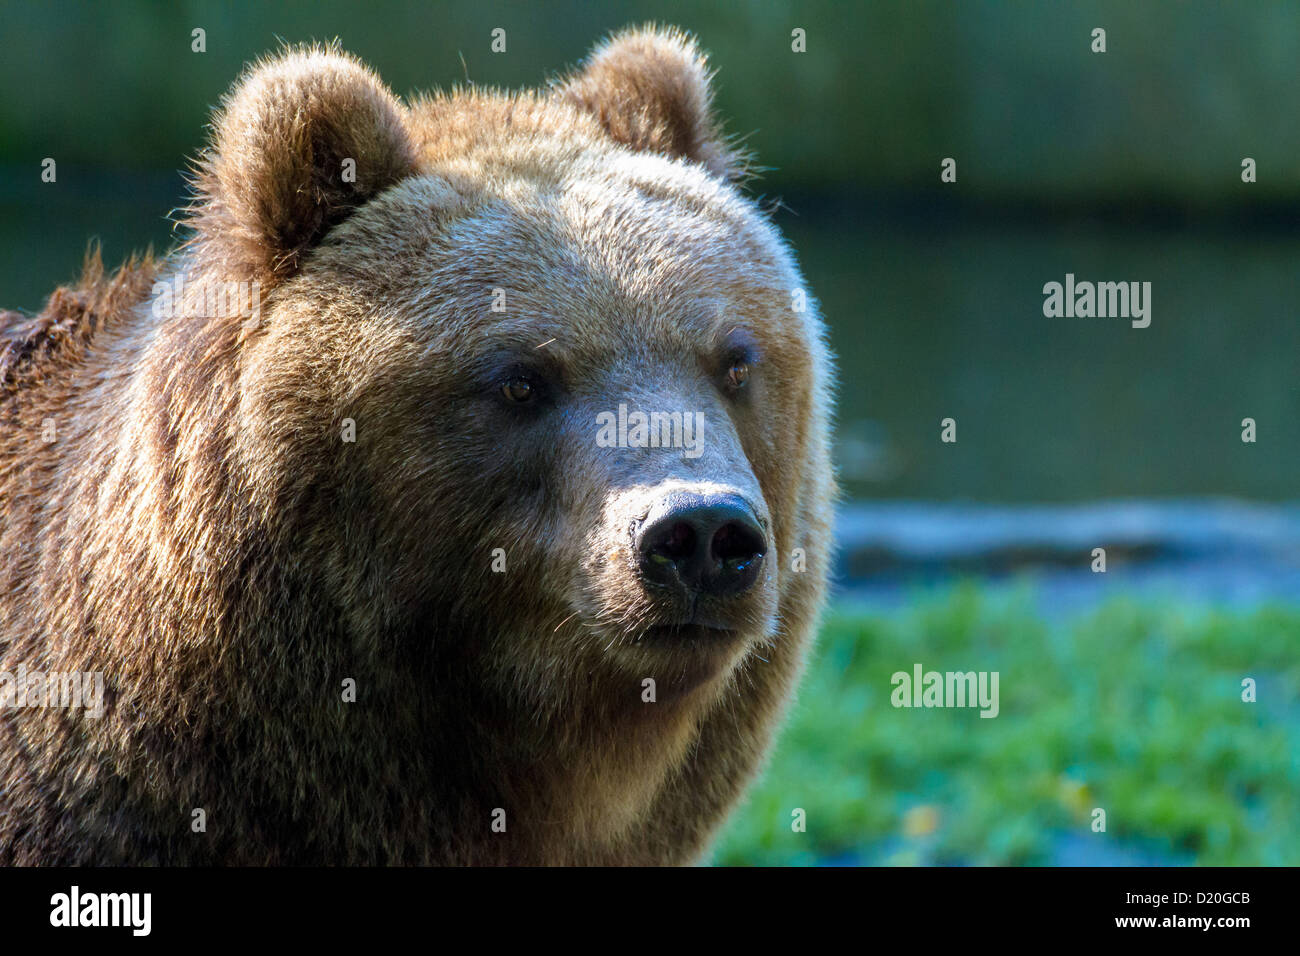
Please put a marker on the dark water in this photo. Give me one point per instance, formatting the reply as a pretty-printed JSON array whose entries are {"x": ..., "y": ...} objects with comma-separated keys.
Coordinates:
[
  {"x": 937, "y": 316},
  {"x": 945, "y": 319}
]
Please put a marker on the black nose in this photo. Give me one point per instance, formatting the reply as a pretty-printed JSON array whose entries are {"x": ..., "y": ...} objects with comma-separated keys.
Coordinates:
[{"x": 709, "y": 544}]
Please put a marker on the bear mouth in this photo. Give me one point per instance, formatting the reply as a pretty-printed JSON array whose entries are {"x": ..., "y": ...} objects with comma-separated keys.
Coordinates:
[
  {"x": 701, "y": 656},
  {"x": 691, "y": 634}
]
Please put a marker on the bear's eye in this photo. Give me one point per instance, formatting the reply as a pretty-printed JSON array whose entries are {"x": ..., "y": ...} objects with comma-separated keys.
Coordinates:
[
  {"x": 738, "y": 374},
  {"x": 518, "y": 390}
]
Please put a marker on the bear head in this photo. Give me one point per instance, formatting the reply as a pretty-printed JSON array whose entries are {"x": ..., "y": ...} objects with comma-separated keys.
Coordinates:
[{"x": 540, "y": 394}]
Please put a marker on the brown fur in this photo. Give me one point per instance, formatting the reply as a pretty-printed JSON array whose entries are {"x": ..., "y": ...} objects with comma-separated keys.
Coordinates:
[{"x": 198, "y": 532}]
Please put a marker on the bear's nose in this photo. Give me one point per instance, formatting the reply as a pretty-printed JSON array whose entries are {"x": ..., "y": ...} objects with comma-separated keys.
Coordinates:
[{"x": 710, "y": 544}]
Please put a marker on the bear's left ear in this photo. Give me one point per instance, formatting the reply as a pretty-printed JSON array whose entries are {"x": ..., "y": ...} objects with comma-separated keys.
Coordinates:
[
  {"x": 300, "y": 142},
  {"x": 650, "y": 90}
]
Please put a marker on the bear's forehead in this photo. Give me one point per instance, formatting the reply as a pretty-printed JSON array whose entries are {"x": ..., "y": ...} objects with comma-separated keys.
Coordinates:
[
  {"x": 528, "y": 163},
  {"x": 617, "y": 220},
  {"x": 613, "y": 235},
  {"x": 524, "y": 222}
]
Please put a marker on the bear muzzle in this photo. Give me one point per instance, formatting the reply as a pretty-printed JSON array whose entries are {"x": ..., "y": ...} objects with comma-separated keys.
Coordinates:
[{"x": 702, "y": 551}]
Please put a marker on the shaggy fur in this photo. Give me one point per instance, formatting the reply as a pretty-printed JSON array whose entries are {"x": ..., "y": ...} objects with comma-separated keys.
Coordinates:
[{"x": 199, "y": 532}]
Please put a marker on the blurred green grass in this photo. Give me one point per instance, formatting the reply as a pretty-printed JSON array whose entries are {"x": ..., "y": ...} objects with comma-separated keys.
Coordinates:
[{"x": 1134, "y": 707}]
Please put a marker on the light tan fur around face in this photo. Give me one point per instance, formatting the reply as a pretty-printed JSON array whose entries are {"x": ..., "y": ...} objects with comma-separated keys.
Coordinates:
[{"x": 200, "y": 533}]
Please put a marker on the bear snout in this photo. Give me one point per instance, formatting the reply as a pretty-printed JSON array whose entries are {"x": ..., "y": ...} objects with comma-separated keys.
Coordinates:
[{"x": 697, "y": 544}]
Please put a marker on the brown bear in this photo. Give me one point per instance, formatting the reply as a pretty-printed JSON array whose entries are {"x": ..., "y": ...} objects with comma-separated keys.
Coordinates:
[{"x": 458, "y": 493}]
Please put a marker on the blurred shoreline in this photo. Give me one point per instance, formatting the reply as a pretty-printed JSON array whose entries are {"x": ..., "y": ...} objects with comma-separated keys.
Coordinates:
[{"x": 1217, "y": 551}]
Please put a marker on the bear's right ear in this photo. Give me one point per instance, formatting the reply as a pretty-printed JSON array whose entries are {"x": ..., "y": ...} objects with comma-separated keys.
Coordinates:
[{"x": 300, "y": 142}]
